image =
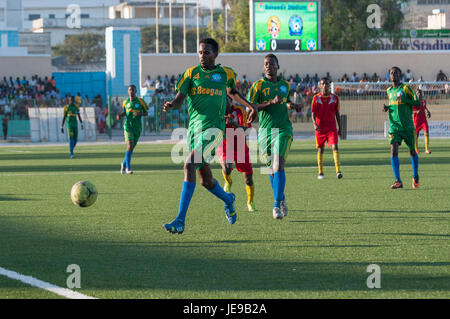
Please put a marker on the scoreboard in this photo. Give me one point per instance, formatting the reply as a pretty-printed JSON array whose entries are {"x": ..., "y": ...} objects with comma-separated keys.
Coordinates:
[{"x": 292, "y": 25}]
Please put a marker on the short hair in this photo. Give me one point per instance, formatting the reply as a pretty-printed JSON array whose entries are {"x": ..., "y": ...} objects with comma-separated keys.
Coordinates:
[
  {"x": 325, "y": 79},
  {"x": 272, "y": 56},
  {"x": 213, "y": 43},
  {"x": 397, "y": 68},
  {"x": 132, "y": 86}
]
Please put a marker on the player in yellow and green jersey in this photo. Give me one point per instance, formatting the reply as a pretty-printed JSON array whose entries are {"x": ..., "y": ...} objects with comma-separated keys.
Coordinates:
[
  {"x": 402, "y": 99},
  {"x": 206, "y": 87},
  {"x": 71, "y": 111},
  {"x": 133, "y": 109},
  {"x": 271, "y": 96}
]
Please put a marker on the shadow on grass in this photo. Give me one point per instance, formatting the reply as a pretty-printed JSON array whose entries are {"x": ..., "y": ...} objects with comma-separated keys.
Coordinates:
[
  {"x": 173, "y": 265},
  {"x": 13, "y": 199}
]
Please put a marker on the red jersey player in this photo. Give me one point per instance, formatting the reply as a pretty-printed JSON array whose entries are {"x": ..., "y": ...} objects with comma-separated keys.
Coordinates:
[
  {"x": 421, "y": 123},
  {"x": 237, "y": 152},
  {"x": 325, "y": 115}
]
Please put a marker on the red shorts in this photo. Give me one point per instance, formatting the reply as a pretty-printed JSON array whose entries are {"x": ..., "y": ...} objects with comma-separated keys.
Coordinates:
[
  {"x": 422, "y": 125},
  {"x": 331, "y": 137},
  {"x": 242, "y": 163}
]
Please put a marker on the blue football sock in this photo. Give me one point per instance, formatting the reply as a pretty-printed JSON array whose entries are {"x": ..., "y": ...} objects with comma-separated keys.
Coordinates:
[
  {"x": 186, "y": 194},
  {"x": 71, "y": 145},
  {"x": 415, "y": 165},
  {"x": 396, "y": 167},
  {"x": 271, "y": 183},
  {"x": 128, "y": 158},
  {"x": 279, "y": 183},
  {"x": 220, "y": 193}
]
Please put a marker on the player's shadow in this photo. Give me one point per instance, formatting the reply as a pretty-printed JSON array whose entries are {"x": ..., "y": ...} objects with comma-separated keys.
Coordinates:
[
  {"x": 83, "y": 155},
  {"x": 180, "y": 266},
  {"x": 4, "y": 198}
]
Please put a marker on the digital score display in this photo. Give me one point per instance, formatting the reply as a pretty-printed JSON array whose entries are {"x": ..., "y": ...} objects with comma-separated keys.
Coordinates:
[{"x": 285, "y": 25}]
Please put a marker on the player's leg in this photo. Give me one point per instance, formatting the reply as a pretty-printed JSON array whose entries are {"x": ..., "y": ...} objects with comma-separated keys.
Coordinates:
[
  {"x": 71, "y": 133},
  {"x": 410, "y": 141},
  {"x": 395, "y": 161},
  {"x": 187, "y": 191},
  {"x": 279, "y": 175},
  {"x": 227, "y": 167},
  {"x": 250, "y": 189},
  {"x": 129, "y": 152},
  {"x": 320, "y": 144},
  {"x": 426, "y": 133},
  {"x": 337, "y": 163},
  {"x": 212, "y": 185},
  {"x": 416, "y": 144}
]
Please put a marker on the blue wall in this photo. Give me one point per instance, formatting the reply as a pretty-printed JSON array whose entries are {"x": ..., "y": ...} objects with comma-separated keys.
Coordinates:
[
  {"x": 87, "y": 83},
  {"x": 116, "y": 64},
  {"x": 13, "y": 37}
]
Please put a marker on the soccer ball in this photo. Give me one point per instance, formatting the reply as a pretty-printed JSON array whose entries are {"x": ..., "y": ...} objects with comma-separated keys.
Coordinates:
[{"x": 83, "y": 194}]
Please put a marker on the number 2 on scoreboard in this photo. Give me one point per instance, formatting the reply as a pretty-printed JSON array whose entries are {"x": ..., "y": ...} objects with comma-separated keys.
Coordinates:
[{"x": 297, "y": 45}]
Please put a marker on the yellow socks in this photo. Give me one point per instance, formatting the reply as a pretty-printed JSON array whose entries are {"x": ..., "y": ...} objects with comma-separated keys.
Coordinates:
[
  {"x": 336, "y": 161},
  {"x": 250, "y": 193},
  {"x": 427, "y": 141},
  {"x": 320, "y": 162},
  {"x": 228, "y": 182}
]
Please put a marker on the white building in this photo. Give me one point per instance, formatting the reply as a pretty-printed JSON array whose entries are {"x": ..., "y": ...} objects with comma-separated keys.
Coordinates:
[{"x": 419, "y": 14}]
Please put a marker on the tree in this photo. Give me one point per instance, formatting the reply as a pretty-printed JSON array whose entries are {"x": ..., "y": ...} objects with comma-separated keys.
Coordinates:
[
  {"x": 344, "y": 23},
  {"x": 239, "y": 33},
  {"x": 82, "y": 48},
  {"x": 148, "y": 36}
]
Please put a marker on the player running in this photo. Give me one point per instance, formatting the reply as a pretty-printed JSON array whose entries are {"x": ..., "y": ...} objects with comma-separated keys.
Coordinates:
[
  {"x": 133, "y": 109},
  {"x": 237, "y": 152},
  {"x": 420, "y": 122},
  {"x": 325, "y": 115},
  {"x": 271, "y": 96},
  {"x": 401, "y": 125},
  {"x": 72, "y": 112},
  {"x": 206, "y": 86}
]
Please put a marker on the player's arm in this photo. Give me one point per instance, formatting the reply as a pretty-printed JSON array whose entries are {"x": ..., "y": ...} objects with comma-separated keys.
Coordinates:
[
  {"x": 81, "y": 121},
  {"x": 237, "y": 97},
  {"x": 144, "y": 109},
  {"x": 313, "y": 118},
  {"x": 313, "y": 115},
  {"x": 175, "y": 103},
  {"x": 64, "y": 119},
  {"x": 410, "y": 96},
  {"x": 428, "y": 112},
  {"x": 338, "y": 121},
  {"x": 276, "y": 100},
  {"x": 120, "y": 115}
]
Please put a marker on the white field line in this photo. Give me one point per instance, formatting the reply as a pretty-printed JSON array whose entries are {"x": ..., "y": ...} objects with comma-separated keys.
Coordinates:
[{"x": 43, "y": 285}]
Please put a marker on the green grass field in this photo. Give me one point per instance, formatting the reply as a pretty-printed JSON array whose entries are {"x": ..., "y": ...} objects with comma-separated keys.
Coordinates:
[{"x": 335, "y": 228}]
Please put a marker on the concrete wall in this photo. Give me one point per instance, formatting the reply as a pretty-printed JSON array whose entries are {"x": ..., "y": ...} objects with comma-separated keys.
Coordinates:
[
  {"x": 425, "y": 63},
  {"x": 26, "y": 66}
]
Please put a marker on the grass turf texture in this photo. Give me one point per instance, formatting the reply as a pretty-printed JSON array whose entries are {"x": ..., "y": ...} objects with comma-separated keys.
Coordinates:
[{"x": 334, "y": 230}]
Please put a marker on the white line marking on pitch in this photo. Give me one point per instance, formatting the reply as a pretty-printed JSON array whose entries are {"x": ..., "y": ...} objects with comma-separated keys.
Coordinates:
[{"x": 43, "y": 285}]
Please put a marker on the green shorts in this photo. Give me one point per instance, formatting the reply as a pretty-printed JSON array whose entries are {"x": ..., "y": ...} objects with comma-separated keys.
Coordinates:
[
  {"x": 132, "y": 134},
  {"x": 205, "y": 143},
  {"x": 274, "y": 144},
  {"x": 72, "y": 131},
  {"x": 408, "y": 136}
]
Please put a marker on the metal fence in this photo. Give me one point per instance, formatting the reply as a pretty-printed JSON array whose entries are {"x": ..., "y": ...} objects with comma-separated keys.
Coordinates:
[{"x": 361, "y": 104}]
